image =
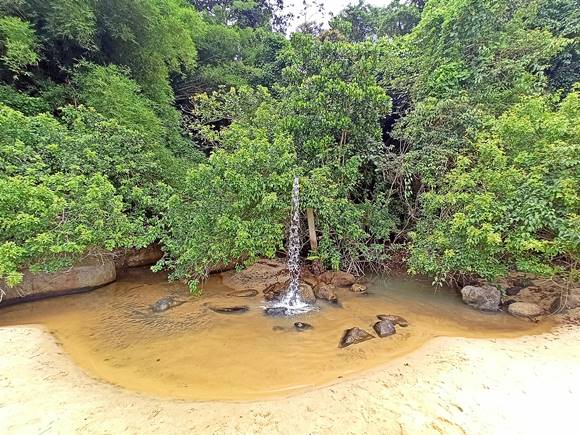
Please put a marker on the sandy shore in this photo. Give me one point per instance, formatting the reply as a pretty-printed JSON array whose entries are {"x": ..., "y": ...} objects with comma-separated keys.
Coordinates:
[{"x": 529, "y": 385}]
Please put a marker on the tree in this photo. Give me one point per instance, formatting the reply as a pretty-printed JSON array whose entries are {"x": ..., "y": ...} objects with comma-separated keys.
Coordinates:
[
  {"x": 361, "y": 21},
  {"x": 250, "y": 13},
  {"x": 511, "y": 205}
]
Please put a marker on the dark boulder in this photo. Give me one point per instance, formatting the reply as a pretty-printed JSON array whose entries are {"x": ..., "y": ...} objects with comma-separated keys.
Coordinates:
[
  {"x": 139, "y": 256},
  {"x": 394, "y": 319},
  {"x": 353, "y": 336},
  {"x": 484, "y": 298},
  {"x": 302, "y": 326},
  {"x": 384, "y": 328},
  {"x": 276, "y": 311},
  {"x": 512, "y": 291}
]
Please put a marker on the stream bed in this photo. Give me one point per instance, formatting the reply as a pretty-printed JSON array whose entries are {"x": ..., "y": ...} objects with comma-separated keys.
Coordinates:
[{"x": 191, "y": 352}]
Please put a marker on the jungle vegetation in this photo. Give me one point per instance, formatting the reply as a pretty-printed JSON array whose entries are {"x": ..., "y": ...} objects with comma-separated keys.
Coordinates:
[{"x": 442, "y": 136}]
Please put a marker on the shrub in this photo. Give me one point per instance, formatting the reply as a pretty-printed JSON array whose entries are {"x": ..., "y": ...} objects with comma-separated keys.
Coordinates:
[{"x": 513, "y": 203}]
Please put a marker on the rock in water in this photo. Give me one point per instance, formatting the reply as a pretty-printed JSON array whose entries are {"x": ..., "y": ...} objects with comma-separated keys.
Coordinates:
[
  {"x": 353, "y": 336},
  {"x": 384, "y": 328},
  {"x": 358, "y": 288},
  {"x": 302, "y": 326},
  {"x": 277, "y": 291},
  {"x": 229, "y": 309},
  {"x": 326, "y": 292},
  {"x": 524, "y": 309},
  {"x": 394, "y": 319},
  {"x": 276, "y": 311},
  {"x": 244, "y": 293},
  {"x": 164, "y": 304},
  {"x": 485, "y": 298}
]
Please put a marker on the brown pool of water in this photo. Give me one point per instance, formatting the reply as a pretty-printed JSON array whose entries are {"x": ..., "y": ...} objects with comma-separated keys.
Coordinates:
[{"x": 191, "y": 352}]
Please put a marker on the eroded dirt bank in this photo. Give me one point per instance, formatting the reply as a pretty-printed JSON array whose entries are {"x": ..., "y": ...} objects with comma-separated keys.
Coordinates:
[{"x": 451, "y": 385}]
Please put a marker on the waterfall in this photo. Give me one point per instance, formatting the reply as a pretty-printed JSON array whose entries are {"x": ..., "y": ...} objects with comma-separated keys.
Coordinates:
[
  {"x": 293, "y": 295},
  {"x": 292, "y": 302}
]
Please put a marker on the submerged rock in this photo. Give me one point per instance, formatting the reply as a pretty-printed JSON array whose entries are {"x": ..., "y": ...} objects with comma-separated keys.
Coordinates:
[
  {"x": 326, "y": 292},
  {"x": 276, "y": 311},
  {"x": 165, "y": 303},
  {"x": 358, "y": 288},
  {"x": 243, "y": 293},
  {"x": 338, "y": 278},
  {"x": 484, "y": 298},
  {"x": 353, "y": 336},
  {"x": 222, "y": 309},
  {"x": 384, "y": 328},
  {"x": 302, "y": 326},
  {"x": 278, "y": 328},
  {"x": 394, "y": 319},
  {"x": 524, "y": 309}
]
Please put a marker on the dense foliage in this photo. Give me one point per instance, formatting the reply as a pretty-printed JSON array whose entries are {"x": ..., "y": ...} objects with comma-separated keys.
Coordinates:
[{"x": 441, "y": 132}]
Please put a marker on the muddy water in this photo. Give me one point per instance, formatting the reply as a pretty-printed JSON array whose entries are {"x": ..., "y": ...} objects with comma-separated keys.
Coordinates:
[{"x": 191, "y": 352}]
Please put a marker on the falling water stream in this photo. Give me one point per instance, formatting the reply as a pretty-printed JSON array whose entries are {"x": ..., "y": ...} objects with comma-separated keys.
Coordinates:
[{"x": 292, "y": 303}]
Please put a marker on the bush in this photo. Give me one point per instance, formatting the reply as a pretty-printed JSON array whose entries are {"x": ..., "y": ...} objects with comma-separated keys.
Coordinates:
[
  {"x": 511, "y": 205},
  {"x": 47, "y": 222},
  {"x": 233, "y": 207},
  {"x": 52, "y": 172}
]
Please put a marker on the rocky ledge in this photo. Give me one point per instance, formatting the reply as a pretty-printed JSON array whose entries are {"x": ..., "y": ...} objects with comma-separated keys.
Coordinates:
[{"x": 90, "y": 273}]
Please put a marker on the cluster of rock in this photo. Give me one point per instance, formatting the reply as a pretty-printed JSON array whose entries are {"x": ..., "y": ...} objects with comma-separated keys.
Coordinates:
[
  {"x": 522, "y": 296},
  {"x": 385, "y": 327},
  {"x": 271, "y": 277}
]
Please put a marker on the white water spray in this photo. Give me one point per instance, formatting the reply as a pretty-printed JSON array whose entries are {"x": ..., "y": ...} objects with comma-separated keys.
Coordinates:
[{"x": 292, "y": 302}]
